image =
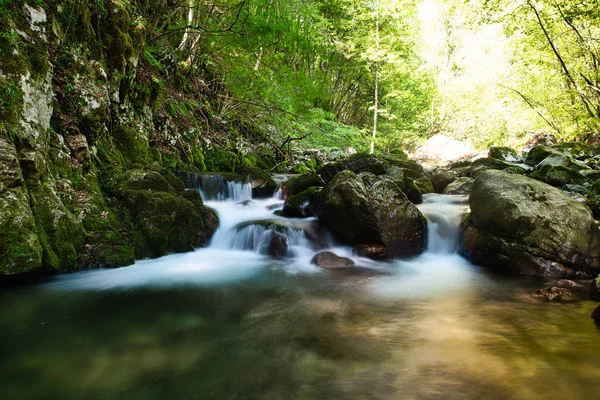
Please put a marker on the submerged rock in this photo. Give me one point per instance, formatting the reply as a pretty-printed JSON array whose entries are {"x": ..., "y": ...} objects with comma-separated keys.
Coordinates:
[
  {"x": 521, "y": 225},
  {"x": 278, "y": 245},
  {"x": 556, "y": 294},
  {"x": 327, "y": 259},
  {"x": 373, "y": 251}
]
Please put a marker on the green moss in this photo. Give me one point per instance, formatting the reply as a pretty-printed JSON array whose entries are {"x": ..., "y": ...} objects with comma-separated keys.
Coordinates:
[
  {"x": 220, "y": 160},
  {"x": 132, "y": 144}
]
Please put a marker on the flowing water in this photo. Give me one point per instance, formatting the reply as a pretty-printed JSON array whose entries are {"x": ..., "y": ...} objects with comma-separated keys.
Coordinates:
[{"x": 230, "y": 322}]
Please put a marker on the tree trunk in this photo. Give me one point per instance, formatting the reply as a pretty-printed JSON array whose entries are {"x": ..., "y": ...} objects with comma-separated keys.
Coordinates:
[{"x": 376, "y": 102}]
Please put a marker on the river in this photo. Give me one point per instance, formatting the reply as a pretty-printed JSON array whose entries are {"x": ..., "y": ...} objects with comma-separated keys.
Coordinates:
[{"x": 228, "y": 322}]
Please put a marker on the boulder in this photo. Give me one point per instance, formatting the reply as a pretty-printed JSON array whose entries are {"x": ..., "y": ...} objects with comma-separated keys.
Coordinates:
[
  {"x": 401, "y": 178},
  {"x": 356, "y": 163},
  {"x": 559, "y": 294},
  {"x": 482, "y": 164},
  {"x": 539, "y": 139},
  {"x": 539, "y": 153},
  {"x": 562, "y": 160},
  {"x": 373, "y": 251},
  {"x": 301, "y": 205},
  {"x": 300, "y": 183},
  {"x": 262, "y": 184},
  {"x": 442, "y": 178},
  {"x": 525, "y": 226},
  {"x": 578, "y": 150},
  {"x": 595, "y": 289},
  {"x": 558, "y": 175},
  {"x": 591, "y": 174},
  {"x": 424, "y": 185},
  {"x": 382, "y": 214},
  {"x": 504, "y": 154},
  {"x": 460, "y": 186},
  {"x": 593, "y": 200},
  {"x": 327, "y": 259},
  {"x": 162, "y": 219},
  {"x": 278, "y": 245}
]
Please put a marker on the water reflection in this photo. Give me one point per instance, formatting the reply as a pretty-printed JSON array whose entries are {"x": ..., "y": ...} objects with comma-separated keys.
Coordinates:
[{"x": 298, "y": 337}]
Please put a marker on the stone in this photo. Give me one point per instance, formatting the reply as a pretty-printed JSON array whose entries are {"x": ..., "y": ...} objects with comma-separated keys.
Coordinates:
[
  {"x": 327, "y": 259},
  {"x": 301, "y": 205},
  {"x": 442, "y": 178},
  {"x": 461, "y": 186},
  {"x": 525, "y": 226},
  {"x": 504, "y": 154},
  {"x": 263, "y": 186},
  {"x": 559, "y": 294},
  {"x": 537, "y": 154},
  {"x": 373, "y": 251},
  {"x": 381, "y": 214},
  {"x": 356, "y": 163},
  {"x": 278, "y": 245},
  {"x": 593, "y": 199},
  {"x": 558, "y": 175},
  {"x": 300, "y": 183}
]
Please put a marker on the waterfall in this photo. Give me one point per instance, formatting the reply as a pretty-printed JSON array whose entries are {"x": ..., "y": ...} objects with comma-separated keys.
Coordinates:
[{"x": 443, "y": 214}]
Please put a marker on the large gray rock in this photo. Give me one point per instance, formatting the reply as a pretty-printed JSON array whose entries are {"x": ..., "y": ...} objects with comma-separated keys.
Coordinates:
[
  {"x": 521, "y": 225},
  {"x": 462, "y": 185},
  {"x": 381, "y": 214}
]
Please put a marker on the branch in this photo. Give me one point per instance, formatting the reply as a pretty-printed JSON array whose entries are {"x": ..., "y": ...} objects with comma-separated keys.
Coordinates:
[{"x": 532, "y": 106}]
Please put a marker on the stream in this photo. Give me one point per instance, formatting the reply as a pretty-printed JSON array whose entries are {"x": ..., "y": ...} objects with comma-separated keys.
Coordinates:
[{"x": 230, "y": 322}]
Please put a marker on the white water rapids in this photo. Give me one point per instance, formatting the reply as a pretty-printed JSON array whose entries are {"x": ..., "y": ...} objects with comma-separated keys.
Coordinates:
[{"x": 238, "y": 250}]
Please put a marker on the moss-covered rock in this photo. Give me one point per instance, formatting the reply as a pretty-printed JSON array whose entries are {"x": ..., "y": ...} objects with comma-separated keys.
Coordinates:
[
  {"x": 301, "y": 205},
  {"x": 132, "y": 143},
  {"x": 217, "y": 160},
  {"x": 504, "y": 154},
  {"x": 539, "y": 153},
  {"x": 163, "y": 219},
  {"x": 425, "y": 185},
  {"x": 356, "y": 163},
  {"x": 262, "y": 184},
  {"x": 558, "y": 175},
  {"x": 593, "y": 200},
  {"x": 300, "y": 183},
  {"x": 595, "y": 289},
  {"x": 519, "y": 224},
  {"x": 442, "y": 178},
  {"x": 379, "y": 215},
  {"x": 462, "y": 186}
]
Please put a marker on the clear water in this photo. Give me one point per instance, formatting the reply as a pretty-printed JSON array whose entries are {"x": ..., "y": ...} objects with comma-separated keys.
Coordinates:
[{"x": 221, "y": 323}]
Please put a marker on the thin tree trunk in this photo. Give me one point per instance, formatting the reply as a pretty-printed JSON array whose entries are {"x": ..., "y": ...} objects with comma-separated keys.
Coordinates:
[{"x": 376, "y": 102}]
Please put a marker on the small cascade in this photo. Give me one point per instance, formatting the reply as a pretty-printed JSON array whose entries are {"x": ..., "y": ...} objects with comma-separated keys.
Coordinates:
[
  {"x": 443, "y": 214},
  {"x": 217, "y": 188}
]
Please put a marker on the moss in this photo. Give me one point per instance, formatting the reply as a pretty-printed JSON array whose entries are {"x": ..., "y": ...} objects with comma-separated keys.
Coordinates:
[
  {"x": 132, "y": 144},
  {"x": 220, "y": 160},
  {"x": 301, "y": 205},
  {"x": 300, "y": 183},
  {"x": 558, "y": 175}
]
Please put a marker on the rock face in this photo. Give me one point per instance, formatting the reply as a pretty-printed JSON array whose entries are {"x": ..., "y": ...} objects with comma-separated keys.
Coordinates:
[
  {"x": 380, "y": 214},
  {"x": 521, "y": 225},
  {"x": 327, "y": 259}
]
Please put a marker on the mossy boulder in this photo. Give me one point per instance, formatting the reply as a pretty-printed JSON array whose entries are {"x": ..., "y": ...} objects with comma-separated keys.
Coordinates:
[
  {"x": 379, "y": 215},
  {"x": 163, "y": 219},
  {"x": 593, "y": 200},
  {"x": 442, "y": 178},
  {"x": 579, "y": 150},
  {"x": 462, "y": 186},
  {"x": 483, "y": 164},
  {"x": 301, "y": 205},
  {"x": 217, "y": 160},
  {"x": 504, "y": 154},
  {"x": 356, "y": 163},
  {"x": 132, "y": 143},
  {"x": 539, "y": 153},
  {"x": 401, "y": 177},
  {"x": 300, "y": 183},
  {"x": 262, "y": 184},
  {"x": 558, "y": 175},
  {"x": 424, "y": 185},
  {"x": 525, "y": 226}
]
